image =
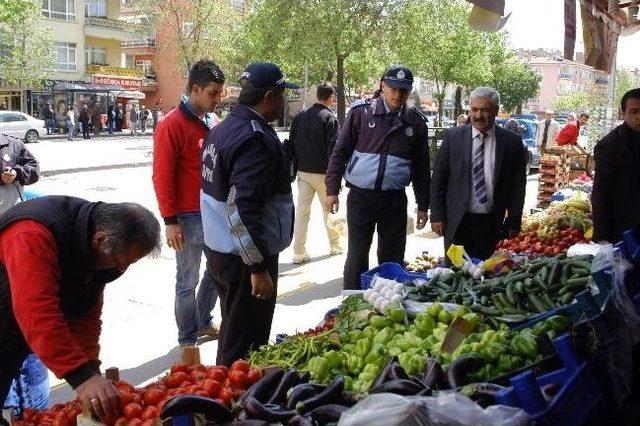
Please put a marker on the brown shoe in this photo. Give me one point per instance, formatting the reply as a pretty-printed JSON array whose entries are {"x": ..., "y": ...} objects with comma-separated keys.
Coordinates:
[{"x": 210, "y": 332}]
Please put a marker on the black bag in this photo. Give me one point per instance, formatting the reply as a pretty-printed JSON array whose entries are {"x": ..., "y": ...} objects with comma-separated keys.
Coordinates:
[{"x": 290, "y": 159}]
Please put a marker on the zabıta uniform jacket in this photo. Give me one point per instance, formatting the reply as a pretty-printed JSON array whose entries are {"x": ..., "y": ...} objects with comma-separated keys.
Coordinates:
[
  {"x": 246, "y": 201},
  {"x": 382, "y": 151}
]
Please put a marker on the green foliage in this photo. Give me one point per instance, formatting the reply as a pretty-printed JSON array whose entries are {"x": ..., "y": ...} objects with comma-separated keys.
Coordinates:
[{"x": 26, "y": 45}]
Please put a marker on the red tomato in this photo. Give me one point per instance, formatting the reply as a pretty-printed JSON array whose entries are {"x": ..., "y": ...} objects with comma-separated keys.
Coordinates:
[
  {"x": 238, "y": 379},
  {"x": 150, "y": 412},
  {"x": 122, "y": 421},
  {"x": 217, "y": 374},
  {"x": 201, "y": 393},
  {"x": 226, "y": 395},
  {"x": 134, "y": 422},
  {"x": 174, "y": 380},
  {"x": 254, "y": 375},
  {"x": 125, "y": 399},
  {"x": 153, "y": 396},
  {"x": 240, "y": 365},
  {"x": 211, "y": 387},
  {"x": 198, "y": 367},
  {"x": 197, "y": 376},
  {"x": 136, "y": 398},
  {"x": 125, "y": 387},
  {"x": 164, "y": 401},
  {"x": 186, "y": 384},
  {"x": 132, "y": 411},
  {"x": 109, "y": 420},
  {"x": 179, "y": 367}
]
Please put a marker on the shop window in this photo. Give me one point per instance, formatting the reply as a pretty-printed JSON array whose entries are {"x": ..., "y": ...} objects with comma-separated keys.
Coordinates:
[
  {"x": 59, "y": 9},
  {"x": 145, "y": 66},
  {"x": 96, "y": 8},
  {"x": 94, "y": 55},
  {"x": 66, "y": 56}
]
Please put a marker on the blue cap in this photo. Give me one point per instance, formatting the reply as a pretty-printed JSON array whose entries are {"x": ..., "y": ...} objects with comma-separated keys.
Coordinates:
[
  {"x": 400, "y": 77},
  {"x": 266, "y": 74}
]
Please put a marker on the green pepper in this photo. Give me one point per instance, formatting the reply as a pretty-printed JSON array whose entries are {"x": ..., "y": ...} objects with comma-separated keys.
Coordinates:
[
  {"x": 473, "y": 318},
  {"x": 368, "y": 332},
  {"x": 348, "y": 383},
  {"x": 319, "y": 368},
  {"x": 395, "y": 312},
  {"x": 524, "y": 345},
  {"x": 488, "y": 336},
  {"x": 395, "y": 351},
  {"x": 399, "y": 327},
  {"x": 363, "y": 346},
  {"x": 383, "y": 336},
  {"x": 355, "y": 364},
  {"x": 492, "y": 351},
  {"x": 411, "y": 363},
  {"x": 377, "y": 355},
  {"x": 355, "y": 335},
  {"x": 508, "y": 363},
  {"x": 424, "y": 325},
  {"x": 370, "y": 369},
  {"x": 333, "y": 358},
  {"x": 439, "y": 333},
  {"x": 379, "y": 322},
  {"x": 434, "y": 309}
]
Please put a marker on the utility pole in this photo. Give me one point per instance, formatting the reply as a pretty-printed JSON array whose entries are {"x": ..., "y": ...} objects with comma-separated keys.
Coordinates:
[{"x": 611, "y": 95}]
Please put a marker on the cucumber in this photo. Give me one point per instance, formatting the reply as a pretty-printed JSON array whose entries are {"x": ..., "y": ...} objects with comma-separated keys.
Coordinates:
[
  {"x": 544, "y": 274},
  {"x": 581, "y": 264},
  {"x": 513, "y": 311},
  {"x": 540, "y": 307},
  {"x": 517, "y": 277},
  {"x": 566, "y": 299},
  {"x": 519, "y": 287},
  {"x": 578, "y": 281},
  {"x": 528, "y": 282},
  {"x": 511, "y": 297},
  {"x": 564, "y": 275},
  {"x": 582, "y": 272},
  {"x": 553, "y": 274},
  {"x": 544, "y": 297},
  {"x": 504, "y": 300},
  {"x": 484, "y": 300},
  {"x": 489, "y": 311}
]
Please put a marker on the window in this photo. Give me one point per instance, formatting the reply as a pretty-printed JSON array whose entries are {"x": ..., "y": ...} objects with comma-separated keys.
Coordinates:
[
  {"x": 95, "y": 55},
  {"x": 95, "y": 8},
  {"x": 145, "y": 66},
  {"x": 59, "y": 9},
  {"x": 187, "y": 29},
  {"x": 66, "y": 58},
  {"x": 129, "y": 61},
  {"x": 11, "y": 117}
]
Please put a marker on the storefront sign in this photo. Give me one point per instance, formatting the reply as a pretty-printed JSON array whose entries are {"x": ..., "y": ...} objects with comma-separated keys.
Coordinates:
[{"x": 127, "y": 83}]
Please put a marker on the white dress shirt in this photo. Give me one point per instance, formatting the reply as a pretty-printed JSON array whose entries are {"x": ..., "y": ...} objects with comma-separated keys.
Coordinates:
[{"x": 489, "y": 165}]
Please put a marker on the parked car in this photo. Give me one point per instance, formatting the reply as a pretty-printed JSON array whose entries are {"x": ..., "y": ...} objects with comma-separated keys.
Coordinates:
[
  {"x": 21, "y": 125},
  {"x": 529, "y": 130}
]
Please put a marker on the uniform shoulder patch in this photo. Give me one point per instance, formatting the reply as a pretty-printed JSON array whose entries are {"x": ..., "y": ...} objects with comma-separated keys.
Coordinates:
[
  {"x": 360, "y": 103},
  {"x": 419, "y": 113},
  {"x": 255, "y": 125}
]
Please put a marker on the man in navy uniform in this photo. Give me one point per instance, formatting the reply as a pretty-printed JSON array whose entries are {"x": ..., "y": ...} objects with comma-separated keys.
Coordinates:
[
  {"x": 247, "y": 210},
  {"x": 382, "y": 147}
]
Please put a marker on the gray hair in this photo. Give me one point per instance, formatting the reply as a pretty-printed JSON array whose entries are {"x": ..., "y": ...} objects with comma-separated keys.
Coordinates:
[
  {"x": 486, "y": 92},
  {"x": 572, "y": 116}
]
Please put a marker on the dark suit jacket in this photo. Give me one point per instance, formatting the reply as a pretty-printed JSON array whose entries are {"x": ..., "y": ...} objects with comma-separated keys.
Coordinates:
[
  {"x": 616, "y": 186},
  {"x": 451, "y": 180}
]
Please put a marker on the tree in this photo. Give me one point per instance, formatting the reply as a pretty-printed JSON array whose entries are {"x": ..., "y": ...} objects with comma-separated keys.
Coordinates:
[
  {"x": 624, "y": 83},
  {"x": 26, "y": 44},
  {"x": 341, "y": 38}
]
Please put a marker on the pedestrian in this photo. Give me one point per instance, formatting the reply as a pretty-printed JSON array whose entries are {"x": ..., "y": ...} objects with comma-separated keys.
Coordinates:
[
  {"x": 154, "y": 115},
  {"x": 616, "y": 185},
  {"x": 96, "y": 120},
  {"x": 85, "y": 119},
  {"x": 176, "y": 180},
  {"x": 3, "y": 106},
  {"x": 52, "y": 298},
  {"x": 479, "y": 180},
  {"x": 19, "y": 168},
  {"x": 547, "y": 131},
  {"x": 312, "y": 138},
  {"x": 133, "y": 119},
  {"x": 144, "y": 116},
  {"x": 569, "y": 133},
  {"x": 462, "y": 120},
  {"x": 46, "y": 115},
  {"x": 513, "y": 126},
  {"x": 247, "y": 210},
  {"x": 111, "y": 119},
  {"x": 382, "y": 147},
  {"x": 119, "y": 118},
  {"x": 54, "y": 120},
  {"x": 70, "y": 123}
]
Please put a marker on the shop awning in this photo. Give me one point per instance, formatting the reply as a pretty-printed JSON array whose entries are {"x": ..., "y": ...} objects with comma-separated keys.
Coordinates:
[
  {"x": 128, "y": 94},
  {"x": 87, "y": 88}
]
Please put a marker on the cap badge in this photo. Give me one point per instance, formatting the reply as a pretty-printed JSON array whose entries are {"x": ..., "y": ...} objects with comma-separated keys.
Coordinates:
[
  {"x": 280, "y": 81},
  {"x": 246, "y": 74},
  {"x": 372, "y": 124},
  {"x": 408, "y": 131},
  {"x": 400, "y": 74}
]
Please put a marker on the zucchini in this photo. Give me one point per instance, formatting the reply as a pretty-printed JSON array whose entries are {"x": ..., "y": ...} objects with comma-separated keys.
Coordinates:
[
  {"x": 511, "y": 297},
  {"x": 519, "y": 287},
  {"x": 540, "y": 307}
]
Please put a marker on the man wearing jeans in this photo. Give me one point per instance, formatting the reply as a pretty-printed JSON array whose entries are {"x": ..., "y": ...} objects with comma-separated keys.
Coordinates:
[
  {"x": 313, "y": 136},
  {"x": 176, "y": 179}
]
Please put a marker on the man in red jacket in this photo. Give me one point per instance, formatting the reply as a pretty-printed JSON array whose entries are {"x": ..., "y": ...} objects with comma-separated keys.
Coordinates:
[{"x": 176, "y": 178}]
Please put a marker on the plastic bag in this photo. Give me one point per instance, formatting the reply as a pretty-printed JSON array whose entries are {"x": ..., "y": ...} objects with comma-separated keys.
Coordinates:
[{"x": 450, "y": 408}]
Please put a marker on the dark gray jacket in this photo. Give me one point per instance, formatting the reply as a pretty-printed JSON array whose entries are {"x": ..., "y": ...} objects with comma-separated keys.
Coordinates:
[
  {"x": 14, "y": 155},
  {"x": 313, "y": 135}
]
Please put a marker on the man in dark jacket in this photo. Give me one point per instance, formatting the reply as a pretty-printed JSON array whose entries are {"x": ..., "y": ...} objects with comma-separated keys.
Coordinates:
[
  {"x": 56, "y": 255},
  {"x": 382, "y": 147},
  {"x": 84, "y": 119},
  {"x": 19, "y": 168},
  {"x": 313, "y": 136},
  {"x": 616, "y": 185},
  {"x": 247, "y": 210}
]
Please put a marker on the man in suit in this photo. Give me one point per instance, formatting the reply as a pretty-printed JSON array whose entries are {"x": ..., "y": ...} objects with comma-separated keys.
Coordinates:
[{"x": 478, "y": 182}]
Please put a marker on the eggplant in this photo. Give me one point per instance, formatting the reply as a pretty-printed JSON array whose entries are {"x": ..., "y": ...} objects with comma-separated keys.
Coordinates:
[
  {"x": 461, "y": 367},
  {"x": 299, "y": 420},
  {"x": 331, "y": 394},
  {"x": 257, "y": 410},
  {"x": 212, "y": 410},
  {"x": 327, "y": 413},
  {"x": 425, "y": 392},
  {"x": 385, "y": 372},
  {"x": 397, "y": 372},
  {"x": 280, "y": 394},
  {"x": 260, "y": 389},
  {"x": 400, "y": 387},
  {"x": 348, "y": 399},
  {"x": 434, "y": 376},
  {"x": 482, "y": 393},
  {"x": 305, "y": 376},
  {"x": 301, "y": 392}
]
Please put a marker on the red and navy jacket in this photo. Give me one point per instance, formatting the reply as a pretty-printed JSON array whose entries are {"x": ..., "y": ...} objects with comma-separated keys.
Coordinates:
[{"x": 383, "y": 151}]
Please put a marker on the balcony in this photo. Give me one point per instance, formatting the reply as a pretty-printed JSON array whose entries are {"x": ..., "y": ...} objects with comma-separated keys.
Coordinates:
[
  {"x": 111, "y": 28},
  {"x": 115, "y": 71},
  {"x": 141, "y": 42}
]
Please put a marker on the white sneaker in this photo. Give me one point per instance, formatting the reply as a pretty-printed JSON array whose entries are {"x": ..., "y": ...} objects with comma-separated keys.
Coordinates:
[{"x": 300, "y": 259}]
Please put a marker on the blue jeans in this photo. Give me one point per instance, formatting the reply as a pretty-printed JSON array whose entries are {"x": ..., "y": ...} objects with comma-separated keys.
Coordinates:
[
  {"x": 69, "y": 130},
  {"x": 31, "y": 388},
  {"x": 193, "y": 312}
]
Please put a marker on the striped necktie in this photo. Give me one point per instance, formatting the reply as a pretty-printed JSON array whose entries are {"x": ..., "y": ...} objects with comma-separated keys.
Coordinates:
[{"x": 479, "y": 188}]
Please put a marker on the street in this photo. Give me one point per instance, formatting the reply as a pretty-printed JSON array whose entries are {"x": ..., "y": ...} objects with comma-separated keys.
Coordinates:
[{"x": 139, "y": 332}]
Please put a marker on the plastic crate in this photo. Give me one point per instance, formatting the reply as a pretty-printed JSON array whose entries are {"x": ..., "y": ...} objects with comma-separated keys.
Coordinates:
[
  {"x": 578, "y": 395},
  {"x": 390, "y": 271}
]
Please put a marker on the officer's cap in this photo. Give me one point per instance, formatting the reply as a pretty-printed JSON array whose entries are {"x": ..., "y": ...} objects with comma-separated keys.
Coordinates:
[
  {"x": 266, "y": 74},
  {"x": 400, "y": 77}
]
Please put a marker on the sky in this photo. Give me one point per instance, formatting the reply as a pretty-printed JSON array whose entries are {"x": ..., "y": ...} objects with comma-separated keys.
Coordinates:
[{"x": 540, "y": 23}]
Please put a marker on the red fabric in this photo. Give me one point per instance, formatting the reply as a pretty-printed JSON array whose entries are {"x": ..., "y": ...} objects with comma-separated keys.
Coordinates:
[
  {"x": 176, "y": 163},
  {"x": 568, "y": 135},
  {"x": 30, "y": 255}
]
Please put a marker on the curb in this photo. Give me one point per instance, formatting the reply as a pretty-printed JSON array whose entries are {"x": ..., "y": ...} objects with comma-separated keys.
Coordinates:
[{"x": 48, "y": 173}]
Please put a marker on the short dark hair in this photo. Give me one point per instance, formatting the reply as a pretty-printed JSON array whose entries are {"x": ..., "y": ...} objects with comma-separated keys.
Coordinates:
[
  {"x": 325, "y": 91},
  {"x": 127, "y": 225},
  {"x": 584, "y": 114},
  {"x": 631, "y": 94},
  {"x": 203, "y": 73},
  {"x": 251, "y": 95}
]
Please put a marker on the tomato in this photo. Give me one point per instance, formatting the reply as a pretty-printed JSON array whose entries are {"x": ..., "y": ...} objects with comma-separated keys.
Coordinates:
[
  {"x": 238, "y": 379},
  {"x": 125, "y": 399},
  {"x": 174, "y": 380},
  {"x": 201, "y": 393},
  {"x": 198, "y": 367},
  {"x": 122, "y": 421},
  {"x": 240, "y": 365},
  {"x": 211, "y": 387},
  {"x": 132, "y": 411},
  {"x": 134, "y": 422},
  {"x": 125, "y": 387},
  {"x": 254, "y": 375},
  {"x": 227, "y": 383},
  {"x": 153, "y": 396},
  {"x": 226, "y": 395},
  {"x": 198, "y": 376},
  {"x": 136, "y": 398},
  {"x": 219, "y": 401},
  {"x": 150, "y": 412},
  {"x": 217, "y": 374},
  {"x": 109, "y": 420},
  {"x": 179, "y": 367}
]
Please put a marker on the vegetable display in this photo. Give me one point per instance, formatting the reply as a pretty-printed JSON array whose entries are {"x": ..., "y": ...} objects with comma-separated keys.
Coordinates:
[{"x": 423, "y": 263}]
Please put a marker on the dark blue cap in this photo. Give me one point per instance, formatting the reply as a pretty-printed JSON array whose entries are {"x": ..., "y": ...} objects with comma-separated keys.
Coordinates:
[
  {"x": 266, "y": 74},
  {"x": 400, "y": 77}
]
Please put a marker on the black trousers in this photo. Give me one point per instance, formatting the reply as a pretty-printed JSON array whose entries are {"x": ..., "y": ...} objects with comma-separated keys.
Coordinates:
[
  {"x": 479, "y": 234},
  {"x": 86, "y": 132},
  {"x": 246, "y": 320},
  {"x": 366, "y": 211},
  {"x": 10, "y": 364}
]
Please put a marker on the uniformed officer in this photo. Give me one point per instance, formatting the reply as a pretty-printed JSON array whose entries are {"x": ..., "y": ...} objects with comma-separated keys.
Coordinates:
[
  {"x": 247, "y": 210},
  {"x": 382, "y": 147}
]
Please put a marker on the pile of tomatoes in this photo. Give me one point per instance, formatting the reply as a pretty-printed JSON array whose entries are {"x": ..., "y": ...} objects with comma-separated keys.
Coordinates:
[
  {"x": 326, "y": 325},
  {"x": 529, "y": 243},
  {"x": 142, "y": 406}
]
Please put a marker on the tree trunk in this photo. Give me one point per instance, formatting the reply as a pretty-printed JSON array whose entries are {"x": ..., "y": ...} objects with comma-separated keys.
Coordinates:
[
  {"x": 519, "y": 109},
  {"x": 340, "y": 87},
  {"x": 457, "y": 108}
]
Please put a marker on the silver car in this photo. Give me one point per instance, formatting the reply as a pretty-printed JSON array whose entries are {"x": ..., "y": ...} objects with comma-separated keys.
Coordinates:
[{"x": 21, "y": 125}]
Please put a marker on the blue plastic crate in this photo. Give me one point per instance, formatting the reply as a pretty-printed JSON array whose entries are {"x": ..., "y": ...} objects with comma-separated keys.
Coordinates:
[
  {"x": 390, "y": 271},
  {"x": 578, "y": 395}
]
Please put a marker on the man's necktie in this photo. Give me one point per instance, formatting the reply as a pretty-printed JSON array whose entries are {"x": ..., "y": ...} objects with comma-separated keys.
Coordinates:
[{"x": 479, "y": 188}]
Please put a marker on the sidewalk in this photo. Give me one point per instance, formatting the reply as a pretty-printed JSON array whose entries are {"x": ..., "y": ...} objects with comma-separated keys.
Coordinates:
[{"x": 78, "y": 136}]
